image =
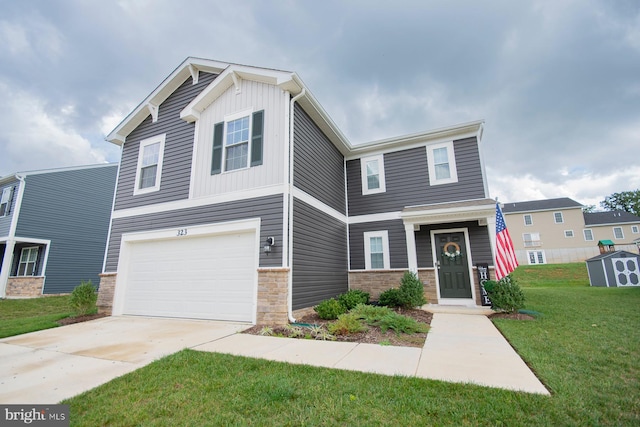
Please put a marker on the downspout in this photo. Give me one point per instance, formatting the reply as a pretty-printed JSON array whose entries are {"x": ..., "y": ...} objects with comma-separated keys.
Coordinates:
[
  {"x": 10, "y": 243},
  {"x": 290, "y": 219}
]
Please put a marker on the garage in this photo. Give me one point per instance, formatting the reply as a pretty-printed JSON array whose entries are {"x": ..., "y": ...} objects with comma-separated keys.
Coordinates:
[{"x": 193, "y": 274}]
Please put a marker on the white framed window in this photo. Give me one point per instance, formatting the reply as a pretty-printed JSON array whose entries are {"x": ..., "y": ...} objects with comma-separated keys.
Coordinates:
[
  {"x": 558, "y": 218},
  {"x": 5, "y": 200},
  {"x": 536, "y": 257},
  {"x": 237, "y": 142},
  {"x": 372, "y": 174},
  {"x": 442, "y": 163},
  {"x": 588, "y": 234},
  {"x": 634, "y": 229},
  {"x": 376, "y": 250},
  {"x": 531, "y": 240},
  {"x": 617, "y": 233},
  {"x": 568, "y": 233},
  {"x": 528, "y": 219},
  {"x": 28, "y": 260},
  {"x": 149, "y": 170}
]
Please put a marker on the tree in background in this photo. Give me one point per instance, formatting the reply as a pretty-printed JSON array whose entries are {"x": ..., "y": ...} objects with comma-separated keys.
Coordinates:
[
  {"x": 589, "y": 208},
  {"x": 628, "y": 201}
]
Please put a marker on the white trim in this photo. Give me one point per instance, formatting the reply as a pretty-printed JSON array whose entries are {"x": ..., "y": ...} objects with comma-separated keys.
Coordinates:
[
  {"x": 145, "y": 143},
  {"x": 229, "y": 118},
  {"x": 8, "y": 190},
  {"x": 310, "y": 200},
  {"x": 454, "y": 301},
  {"x": 568, "y": 234},
  {"x": 614, "y": 233},
  {"x": 384, "y": 234},
  {"x": 635, "y": 229},
  {"x": 364, "y": 177},
  {"x": 451, "y": 159},
  {"x": 35, "y": 263},
  {"x": 555, "y": 219},
  {"x": 387, "y": 216},
  {"x": 524, "y": 218},
  {"x": 238, "y": 115},
  {"x": 11, "y": 241},
  {"x": 412, "y": 252},
  {"x": 584, "y": 234},
  {"x": 249, "y": 225},
  {"x": 200, "y": 201},
  {"x": 536, "y": 251}
]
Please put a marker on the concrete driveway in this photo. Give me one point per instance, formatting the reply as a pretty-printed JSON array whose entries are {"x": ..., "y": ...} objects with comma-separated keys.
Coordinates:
[{"x": 51, "y": 365}]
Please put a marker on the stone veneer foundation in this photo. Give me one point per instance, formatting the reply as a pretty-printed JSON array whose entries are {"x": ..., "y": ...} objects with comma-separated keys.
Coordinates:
[
  {"x": 105, "y": 293},
  {"x": 24, "y": 287}
]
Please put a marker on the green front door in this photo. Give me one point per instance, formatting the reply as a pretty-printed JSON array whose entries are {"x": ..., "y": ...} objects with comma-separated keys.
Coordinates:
[{"x": 453, "y": 271}]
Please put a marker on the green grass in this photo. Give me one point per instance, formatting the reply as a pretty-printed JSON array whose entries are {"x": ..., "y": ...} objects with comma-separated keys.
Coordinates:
[
  {"x": 546, "y": 275},
  {"x": 19, "y": 316},
  {"x": 592, "y": 371}
]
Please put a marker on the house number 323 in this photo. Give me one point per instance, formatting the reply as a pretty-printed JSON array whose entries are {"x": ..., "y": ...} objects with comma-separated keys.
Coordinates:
[{"x": 182, "y": 232}]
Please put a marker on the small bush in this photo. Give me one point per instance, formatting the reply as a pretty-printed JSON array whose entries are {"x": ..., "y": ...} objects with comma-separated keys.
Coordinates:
[
  {"x": 505, "y": 295},
  {"x": 371, "y": 314},
  {"x": 411, "y": 291},
  {"x": 83, "y": 299},
  {"x": 390, "y": 298},
  {"x": 347, "y": 323},
  {"x": 401, "y": 324},
  {"x": 329, "y": 309},
  {"x": 352, "y": 298}
]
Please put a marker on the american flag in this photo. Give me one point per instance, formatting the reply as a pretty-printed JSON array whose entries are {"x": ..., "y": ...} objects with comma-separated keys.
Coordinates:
[{"x": 505, "y": 255}]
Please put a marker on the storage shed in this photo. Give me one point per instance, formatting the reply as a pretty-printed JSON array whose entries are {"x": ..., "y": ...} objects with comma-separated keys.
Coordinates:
[{"x": 614, "y": 269}]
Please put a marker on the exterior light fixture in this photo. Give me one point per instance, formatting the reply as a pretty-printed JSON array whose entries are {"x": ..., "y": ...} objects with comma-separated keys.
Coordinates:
[{"x": 271, "y": 241}]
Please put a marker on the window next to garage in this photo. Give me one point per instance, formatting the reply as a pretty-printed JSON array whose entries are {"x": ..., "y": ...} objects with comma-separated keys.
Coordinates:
[
  {"x": 149, "y": 169},
  {"x": 237, "y": 142}
]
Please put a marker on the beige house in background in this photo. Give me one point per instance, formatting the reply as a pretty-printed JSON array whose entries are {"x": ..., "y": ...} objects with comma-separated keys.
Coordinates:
[{"x": 555, "y": 231}]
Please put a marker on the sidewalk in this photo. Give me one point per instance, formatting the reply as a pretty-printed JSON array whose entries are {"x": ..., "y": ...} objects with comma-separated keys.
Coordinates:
[{"x": 459, "y": 348}]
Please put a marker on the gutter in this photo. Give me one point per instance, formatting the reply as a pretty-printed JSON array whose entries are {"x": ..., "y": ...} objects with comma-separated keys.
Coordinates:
[{"x": 290, "y": 219}]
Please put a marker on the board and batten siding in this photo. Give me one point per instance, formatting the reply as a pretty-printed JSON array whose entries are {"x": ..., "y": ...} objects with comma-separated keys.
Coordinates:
[
  {"x": 407, "y": 180},
  {"x": 5, "y": 221},
  {"x": 71, "y": 208},
  {"x": 178, "y": 150},
  {"x": 478, "y": 240},
  {"x": 318, "y": 167},
  {"x": 319, "y": 266},
  {"x": 253, "y": 96},
  {"x": 398, "y": 257},
  {"x": 268, "y": 209}
]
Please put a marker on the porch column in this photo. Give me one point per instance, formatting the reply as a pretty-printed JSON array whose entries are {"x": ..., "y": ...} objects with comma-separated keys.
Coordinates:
[
  {"x": 6, "y": 266},
  {"x": 412, "y": 254}
]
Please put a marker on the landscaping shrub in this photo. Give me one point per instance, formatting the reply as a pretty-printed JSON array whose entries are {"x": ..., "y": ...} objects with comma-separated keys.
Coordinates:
[
  {"x": 411, "y": 291},
  {"x": 371, "y": 314},
  {"x": 390, "y": 298},
  {"x": 505, "y": 295},
  {"x": 401, "y": 324},
  {"x": 347, "y": 323},
  {"x": 329, "y": 309},
  {"x": 352, "y": 298},
  {"x": 83, "y": 299}
]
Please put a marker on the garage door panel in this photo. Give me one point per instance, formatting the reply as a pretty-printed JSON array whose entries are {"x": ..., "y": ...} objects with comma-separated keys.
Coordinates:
[{"x": 207, "y": 277}]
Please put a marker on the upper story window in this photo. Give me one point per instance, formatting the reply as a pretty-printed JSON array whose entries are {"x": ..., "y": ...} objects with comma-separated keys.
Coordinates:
[
  {"x": 376, "y": 250},
  {"x": 442, "y": 163},
  {"x": 558, "y": 218},
  {"x": 372, "y": 173},
  {"x": 237, "y": 142},
  {"x": 149, "y": 168},
  {"x": 528, "y": 219},
  {"x": 588, "y": 234},
  {"x": 28, "y": 259},
  {"x": 5, "y": 201},
  {"x": 617, "y": 233},
  {"x": 634, "y": 229}
]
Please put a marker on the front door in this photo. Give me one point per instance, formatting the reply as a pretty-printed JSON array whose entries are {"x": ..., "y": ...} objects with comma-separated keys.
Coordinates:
[{"x": 453, "y": 265}]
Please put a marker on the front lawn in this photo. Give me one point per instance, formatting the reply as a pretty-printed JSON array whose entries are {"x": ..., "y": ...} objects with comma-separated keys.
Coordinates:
[
  {"x": 19, "y": 316},
  {"x": 585, "y": 348}
]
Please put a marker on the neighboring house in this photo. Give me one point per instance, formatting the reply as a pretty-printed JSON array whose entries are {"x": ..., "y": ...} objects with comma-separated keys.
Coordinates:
[
  {"x": 557, "y": 231},
  {"x": 53, "y": 228},
  {"x": 238, "y": 198}
]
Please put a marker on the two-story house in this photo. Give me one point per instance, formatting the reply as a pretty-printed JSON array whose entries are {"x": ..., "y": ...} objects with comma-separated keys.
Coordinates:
[
  {"x": 238, "y": 198},
  {"x": 53, "y": 228},
  {"x": 558, "y": 231}
]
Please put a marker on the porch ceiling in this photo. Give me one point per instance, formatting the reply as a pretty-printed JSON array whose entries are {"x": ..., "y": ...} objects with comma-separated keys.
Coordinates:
[{"x": 470, "y": 210}]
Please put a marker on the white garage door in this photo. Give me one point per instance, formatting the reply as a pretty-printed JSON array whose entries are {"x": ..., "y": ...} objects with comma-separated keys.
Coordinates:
[{"x": 201, "y": 277}]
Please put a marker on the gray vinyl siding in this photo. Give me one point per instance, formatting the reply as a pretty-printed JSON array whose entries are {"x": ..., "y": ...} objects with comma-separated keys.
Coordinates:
[
  {"x": 320, "y": 269},
  {"x": 178, "y": 150},
  {"x": 318, "y": 167},
  {"x": 269, "y": 209},
  {"x": 407, "y": 181},
  {"x": 398, "y": 258},
  {"x": 5, "y": 221},
  {"x": 72, "y": 209},
  {"x": 478, "y": 236}
]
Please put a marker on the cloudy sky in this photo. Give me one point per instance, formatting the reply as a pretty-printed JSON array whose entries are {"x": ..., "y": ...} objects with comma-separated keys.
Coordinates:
[{"x": 557, "y": 82}]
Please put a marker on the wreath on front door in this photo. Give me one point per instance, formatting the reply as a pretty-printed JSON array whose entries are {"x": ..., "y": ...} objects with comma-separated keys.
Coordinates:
[{"x": 451, "y": 250}]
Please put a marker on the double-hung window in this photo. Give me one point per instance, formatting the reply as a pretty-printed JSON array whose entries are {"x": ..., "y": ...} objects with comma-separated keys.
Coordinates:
[
  {"x": 149, "y": 170},
  {"x": 372, "y": 174},
  {"x": 617, "y": 233},
  {"x": 376, "y": 250},
  {"x": 28, "y": 260},
  {"x": 634, "y": 229},
  {"x": 237, "y": 142},
  {"x": 558, "y": 218},
  {"x": 528, "y": 219},
  {"x": 588, "y": 234},
  {"x": 5, "y": 201},
  {"x": 442, "y": 163}
]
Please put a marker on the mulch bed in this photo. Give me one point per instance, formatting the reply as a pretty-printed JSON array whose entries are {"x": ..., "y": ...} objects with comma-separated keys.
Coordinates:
[
  {"x": 373, "y": 335},
  {"x": 78, "y": 319}
]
